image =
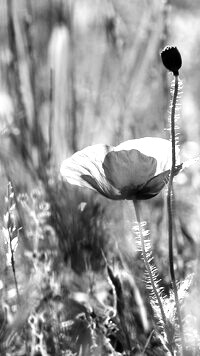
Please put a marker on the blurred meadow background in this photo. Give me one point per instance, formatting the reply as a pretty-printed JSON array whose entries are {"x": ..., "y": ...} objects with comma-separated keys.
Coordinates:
[{"x": 74, "y": 73}]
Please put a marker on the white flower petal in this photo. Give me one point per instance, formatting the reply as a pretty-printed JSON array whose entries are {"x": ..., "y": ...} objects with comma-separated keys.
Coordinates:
[
  {"x": 156, "y": 147},
  {"x": 85, "y": 162}
]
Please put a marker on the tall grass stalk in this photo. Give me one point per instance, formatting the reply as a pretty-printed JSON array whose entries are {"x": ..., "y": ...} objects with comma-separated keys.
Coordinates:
[
  {"x": 11, "y": 232},
  {"x": 120, "y": 304},
  {"x": 50, "y": 127},
  {"x": 170, "y": 209}
]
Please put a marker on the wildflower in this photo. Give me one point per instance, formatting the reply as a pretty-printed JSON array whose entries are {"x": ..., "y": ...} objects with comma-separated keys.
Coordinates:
[
  {"x": 135, "y": 169},
  {"x": 171, "y": 59}
]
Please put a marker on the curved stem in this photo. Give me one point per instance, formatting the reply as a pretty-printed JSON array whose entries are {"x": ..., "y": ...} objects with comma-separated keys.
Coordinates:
[
  {"x": 146, "y": 261},
  {"x": 170, "y": 212}
]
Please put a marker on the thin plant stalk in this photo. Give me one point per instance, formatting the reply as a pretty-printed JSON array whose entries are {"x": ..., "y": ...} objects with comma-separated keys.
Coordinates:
[
  {"x": 10, "y": 230},
  {"x": 50, "y": 127},
  {"x": 119, "y": 304},
  {"x": 146, "y": 261},
  {"x": 13, "y": 267},
  {"x": 170, "y": 211},
  {"x": 147, "y": 343}
]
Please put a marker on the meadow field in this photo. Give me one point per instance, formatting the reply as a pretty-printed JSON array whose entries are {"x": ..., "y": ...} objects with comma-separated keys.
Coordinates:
[{"x": 97, "y": 272}]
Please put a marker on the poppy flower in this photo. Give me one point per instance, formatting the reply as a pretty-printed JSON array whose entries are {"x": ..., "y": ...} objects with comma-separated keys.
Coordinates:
[
  {"x": 171, "y": 59},
  {"x": 135, "y": 169}
]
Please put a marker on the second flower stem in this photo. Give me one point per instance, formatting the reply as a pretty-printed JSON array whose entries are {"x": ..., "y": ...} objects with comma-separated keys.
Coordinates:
[{"x": 170, "y": 212}]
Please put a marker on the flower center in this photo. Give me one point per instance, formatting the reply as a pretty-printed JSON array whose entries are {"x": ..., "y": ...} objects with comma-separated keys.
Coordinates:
[{"x": 129, "y": 170}]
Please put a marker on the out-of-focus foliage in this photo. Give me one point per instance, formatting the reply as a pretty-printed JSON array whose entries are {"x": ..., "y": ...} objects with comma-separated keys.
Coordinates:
[{"x": 75, "y": 73}]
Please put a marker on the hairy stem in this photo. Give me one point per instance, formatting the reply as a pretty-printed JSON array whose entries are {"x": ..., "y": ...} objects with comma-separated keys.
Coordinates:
[
  {"x": 146, "y": 262},
  {"x": 170, "y": 212}
]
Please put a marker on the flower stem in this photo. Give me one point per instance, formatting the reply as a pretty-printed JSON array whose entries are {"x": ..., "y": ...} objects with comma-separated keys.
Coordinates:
[
  {"x": 170, "y": 213},
  {"x": 146, "y": 262}
]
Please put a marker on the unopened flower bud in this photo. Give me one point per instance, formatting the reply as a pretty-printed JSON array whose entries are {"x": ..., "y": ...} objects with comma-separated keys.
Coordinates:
[{"x": 171, "y": 59}]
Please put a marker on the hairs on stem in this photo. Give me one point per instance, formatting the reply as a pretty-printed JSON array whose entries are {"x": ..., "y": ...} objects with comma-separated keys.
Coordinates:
[
  {"x": 173, "y": 117},
  {"x": 157, "y": 298}
]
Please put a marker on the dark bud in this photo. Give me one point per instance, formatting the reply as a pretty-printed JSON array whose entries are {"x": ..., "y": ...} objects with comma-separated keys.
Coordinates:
[{"x": 171, "y": 59}]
